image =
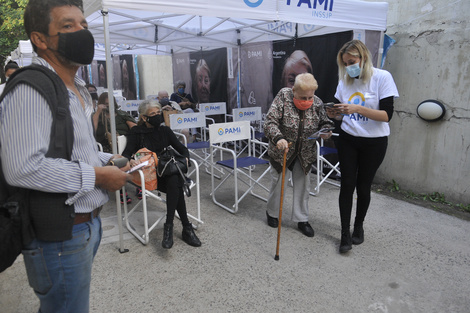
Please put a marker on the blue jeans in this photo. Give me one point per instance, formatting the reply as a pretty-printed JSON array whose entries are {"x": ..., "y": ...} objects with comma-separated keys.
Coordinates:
[{"x": 60, "y": 272}]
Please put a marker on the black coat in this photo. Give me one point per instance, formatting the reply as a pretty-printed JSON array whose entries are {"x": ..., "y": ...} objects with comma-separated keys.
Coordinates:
[{"x": 155, "y": 139}]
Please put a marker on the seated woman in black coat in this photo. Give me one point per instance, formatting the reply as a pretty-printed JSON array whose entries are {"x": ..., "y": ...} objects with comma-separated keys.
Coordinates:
[{"x": 150, "y": 134}]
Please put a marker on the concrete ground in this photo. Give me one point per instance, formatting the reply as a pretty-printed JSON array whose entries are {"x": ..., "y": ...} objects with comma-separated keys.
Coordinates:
[{"x": 413, "y": 260}]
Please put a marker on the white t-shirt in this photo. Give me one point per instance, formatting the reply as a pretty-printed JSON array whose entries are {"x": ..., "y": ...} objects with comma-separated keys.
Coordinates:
[
  {"x": 380, "y": 86},
  {"x": 2, "y": 86}
]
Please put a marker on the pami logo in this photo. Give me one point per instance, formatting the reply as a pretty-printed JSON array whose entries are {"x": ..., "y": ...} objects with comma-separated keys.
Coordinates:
[
  {"x": 255, "y": 54},
  {"x": 213, "y": 108},
  {"x": 253, "y": 3},
  {"x": 229, "y": 130},
  {"x": 313, "y": 4}
]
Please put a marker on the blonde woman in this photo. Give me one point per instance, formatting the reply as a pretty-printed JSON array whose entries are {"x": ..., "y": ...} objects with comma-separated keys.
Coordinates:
[{"x": 366, "y": 96}]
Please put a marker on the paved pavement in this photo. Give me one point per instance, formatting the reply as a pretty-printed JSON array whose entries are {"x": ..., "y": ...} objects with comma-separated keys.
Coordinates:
[{"x": 413, "y": 260}]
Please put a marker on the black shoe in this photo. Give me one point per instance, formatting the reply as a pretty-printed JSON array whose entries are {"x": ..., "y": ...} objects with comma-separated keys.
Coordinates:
[
  {"x": 306, "y": 229},
  {"x": 358, "y": 235},
  {"x": 346, "y": 243},
  {"x": 272, "y": 221},
  {"x": 167, "y": 241},
  {"x": 190, "y": 237}
]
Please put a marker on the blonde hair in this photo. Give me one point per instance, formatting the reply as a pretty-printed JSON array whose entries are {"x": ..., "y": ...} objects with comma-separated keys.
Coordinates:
[
  {"x": 305, "y": 81},
  {"x": 144, "y": 107},
  {"x": 358, "y": 49}
]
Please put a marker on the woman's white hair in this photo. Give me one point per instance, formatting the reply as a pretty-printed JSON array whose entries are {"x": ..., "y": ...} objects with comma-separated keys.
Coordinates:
[{"x": 144, "y": 107}]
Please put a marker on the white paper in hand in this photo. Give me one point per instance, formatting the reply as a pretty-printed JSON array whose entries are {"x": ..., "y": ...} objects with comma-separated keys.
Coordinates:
[
  {"x": 135, "y": 168},
  {"x": 321, "y": 132}
]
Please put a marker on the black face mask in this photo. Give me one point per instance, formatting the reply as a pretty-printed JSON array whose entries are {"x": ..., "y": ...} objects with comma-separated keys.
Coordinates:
[
  {"x": 94, "y": 96},
  {"x": 155, "y": 120},
  {"x": 78, "y": 47},
  {"x": 164, "y": 101}
]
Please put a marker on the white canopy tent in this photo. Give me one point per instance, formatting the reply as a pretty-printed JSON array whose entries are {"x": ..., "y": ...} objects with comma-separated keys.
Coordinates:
[
  {"x": 152, "y": 26},
  {"x": 23, "y": 54},
  {"x": 194, "y": 25}
]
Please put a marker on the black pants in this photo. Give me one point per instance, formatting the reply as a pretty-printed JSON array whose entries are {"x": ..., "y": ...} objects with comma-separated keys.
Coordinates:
[
  {"x": 359, "y": 159},
  {"x": 173, "y": 187}
]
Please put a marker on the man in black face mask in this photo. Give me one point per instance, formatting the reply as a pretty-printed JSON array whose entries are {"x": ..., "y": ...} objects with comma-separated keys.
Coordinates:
[{"x": 68, "y": 186}]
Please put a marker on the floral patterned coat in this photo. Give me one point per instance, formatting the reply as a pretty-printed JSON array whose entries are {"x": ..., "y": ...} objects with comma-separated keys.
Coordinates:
[{"x": 285, "y": 121}]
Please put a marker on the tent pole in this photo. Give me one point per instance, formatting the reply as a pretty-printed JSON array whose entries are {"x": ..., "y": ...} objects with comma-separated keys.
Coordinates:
[
  {"x": 109, "y": 77},
  {"x": 239, "y": 100},
  {"x": 381, "y": 50}
]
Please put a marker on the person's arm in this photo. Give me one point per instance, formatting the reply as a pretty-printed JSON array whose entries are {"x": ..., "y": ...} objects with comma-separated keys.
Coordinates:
[
  {"x": 174, "y": 142},
  {"x": 174, "y": 97},
  {"x": 130, "y": 121},
  {"x": 187, "y": 103},
  {"x": 130, "y": 124},
  {"x": 373, "y": 114},
  {"x": 132, "y": 145},
  {"x": 274, "y": 118},
  {"x": 97, "y": 115},
  {"x": 110, "y": 178},
  {"x": 324, "y": 121},
  {"x": 25, "y": 144}
]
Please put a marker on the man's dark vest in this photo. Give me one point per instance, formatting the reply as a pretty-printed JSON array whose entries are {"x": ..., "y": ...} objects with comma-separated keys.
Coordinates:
[{"x": 51, "y": 219}]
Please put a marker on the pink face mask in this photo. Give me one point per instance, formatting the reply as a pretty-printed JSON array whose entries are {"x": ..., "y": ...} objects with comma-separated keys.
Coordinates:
[{"x": 303, "y": 104}]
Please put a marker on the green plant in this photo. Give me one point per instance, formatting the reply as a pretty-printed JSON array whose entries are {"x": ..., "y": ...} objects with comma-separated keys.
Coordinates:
[
  {"x": 395, "y": 186},
  {"x": 434, "y": 197},
  {"x": 463, "y": 207}
]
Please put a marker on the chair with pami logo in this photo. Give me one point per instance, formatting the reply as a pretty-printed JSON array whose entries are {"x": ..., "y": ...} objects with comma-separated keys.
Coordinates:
[{"x": 243, "y": 169}]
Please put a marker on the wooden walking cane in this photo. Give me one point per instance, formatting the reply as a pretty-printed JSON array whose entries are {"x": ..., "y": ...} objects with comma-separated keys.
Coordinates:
[{"x": 280, "y": 207}]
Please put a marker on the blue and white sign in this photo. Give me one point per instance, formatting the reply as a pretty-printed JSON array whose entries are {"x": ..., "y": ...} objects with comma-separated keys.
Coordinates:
[
  {"x": 213, "y": 108},
  {"x": 187, "y": 120},
  {"x": 130, "y": 105},
  {"x": 223, "y": 132},
  {"x": 251, "y": 114}
]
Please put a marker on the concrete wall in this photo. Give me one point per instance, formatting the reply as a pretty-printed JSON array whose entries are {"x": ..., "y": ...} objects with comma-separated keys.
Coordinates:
[
  {"x": 430, "y": 60},
  {"x": 155, "y": 73}
]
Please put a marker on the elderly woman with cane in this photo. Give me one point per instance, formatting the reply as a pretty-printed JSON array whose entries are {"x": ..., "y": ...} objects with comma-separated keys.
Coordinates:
[{"x": 295, "y": 115}]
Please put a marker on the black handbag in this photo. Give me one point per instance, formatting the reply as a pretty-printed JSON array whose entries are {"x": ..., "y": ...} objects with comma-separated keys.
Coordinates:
[{"x": 171, "y": 162}]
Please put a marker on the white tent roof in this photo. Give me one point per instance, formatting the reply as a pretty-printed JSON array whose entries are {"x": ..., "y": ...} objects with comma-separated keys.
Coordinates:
[{"x": 154, "y": 25}]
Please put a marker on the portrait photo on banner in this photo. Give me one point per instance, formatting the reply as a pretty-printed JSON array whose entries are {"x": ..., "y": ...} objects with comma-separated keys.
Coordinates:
[
  {"x": 128, "y": 77},
  {"x": 209, "y": 73},
  {"x": 316, "y": 55}
]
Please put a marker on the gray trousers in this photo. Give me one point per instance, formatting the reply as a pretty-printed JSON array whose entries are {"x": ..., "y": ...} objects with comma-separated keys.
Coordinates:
[{"x": 300, "y": 196}]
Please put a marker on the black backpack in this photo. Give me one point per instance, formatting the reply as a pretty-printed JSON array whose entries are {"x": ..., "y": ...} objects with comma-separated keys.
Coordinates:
[{"x": 16, "y": 227}]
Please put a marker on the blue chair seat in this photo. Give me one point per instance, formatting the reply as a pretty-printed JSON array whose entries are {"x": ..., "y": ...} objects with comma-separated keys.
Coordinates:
[
  {"x": 243, "y": 162},
  {"x": 199, "y": 145},
  {"x": 328, "y": 150}
]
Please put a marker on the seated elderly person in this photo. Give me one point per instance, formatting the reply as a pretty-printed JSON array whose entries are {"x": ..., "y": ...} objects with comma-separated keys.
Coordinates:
[
  {"x": 151, "y": 134},
  {"x": 168, "y": 105},
  {"x": 185, "y": 100}
]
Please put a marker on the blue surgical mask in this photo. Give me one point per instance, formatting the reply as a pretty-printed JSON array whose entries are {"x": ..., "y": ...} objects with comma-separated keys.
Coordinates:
[
  {"x": 354, "y": 70},
  {"x": 181, "y": 90}
]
